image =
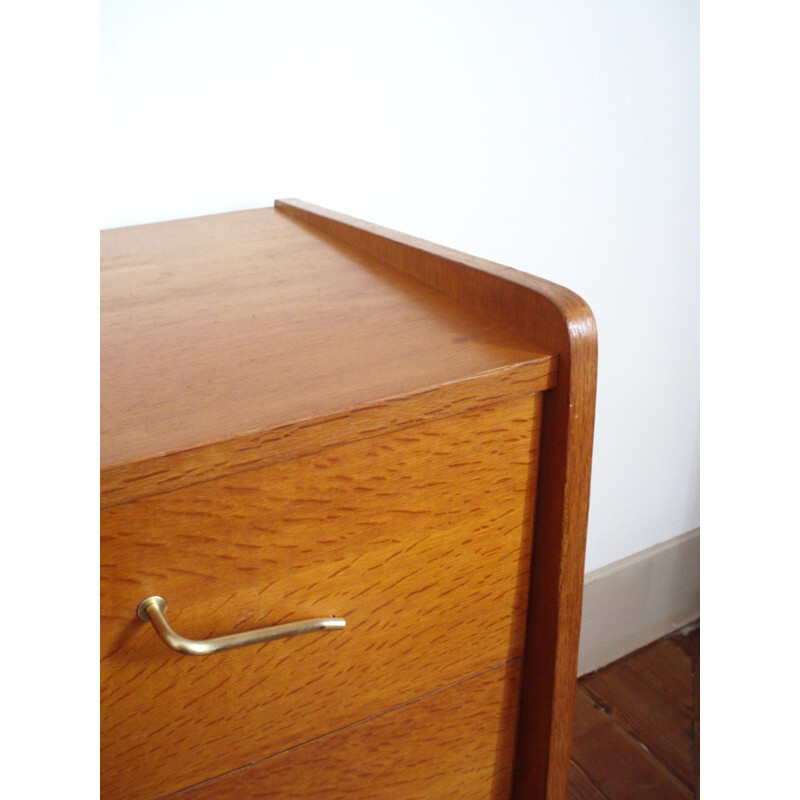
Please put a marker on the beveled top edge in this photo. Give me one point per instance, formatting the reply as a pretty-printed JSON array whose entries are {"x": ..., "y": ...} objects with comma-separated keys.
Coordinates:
[{"x": 129, "y": 481}]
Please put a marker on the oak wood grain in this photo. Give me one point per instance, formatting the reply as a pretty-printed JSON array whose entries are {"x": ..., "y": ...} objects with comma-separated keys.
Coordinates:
[
  {"x": 455, "y": 743},
  {"x": 123, "y": 483},
  {"x": 419, "y": 538},
  {"x": 235, "y": 340},
  {"x": 563, "y": 323},
  {"x": 203, "y": 434}
]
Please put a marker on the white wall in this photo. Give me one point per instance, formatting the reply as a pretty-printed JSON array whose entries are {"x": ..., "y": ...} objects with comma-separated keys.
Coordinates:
[{"x": 560, "y": 138}]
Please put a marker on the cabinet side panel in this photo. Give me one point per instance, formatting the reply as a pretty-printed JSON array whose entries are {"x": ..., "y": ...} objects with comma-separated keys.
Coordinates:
[{"x": 559, "y": 319}]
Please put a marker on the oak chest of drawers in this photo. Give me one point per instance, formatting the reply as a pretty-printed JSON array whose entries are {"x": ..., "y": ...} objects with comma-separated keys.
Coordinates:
[{"x": 305, "y": 416}]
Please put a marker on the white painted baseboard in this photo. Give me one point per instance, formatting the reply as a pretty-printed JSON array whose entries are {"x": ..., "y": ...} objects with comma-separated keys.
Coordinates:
[{"x": 639, "y": 599}]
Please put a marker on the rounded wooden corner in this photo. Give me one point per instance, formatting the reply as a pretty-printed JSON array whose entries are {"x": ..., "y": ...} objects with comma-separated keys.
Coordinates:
[{"x": 563, "y": 322}]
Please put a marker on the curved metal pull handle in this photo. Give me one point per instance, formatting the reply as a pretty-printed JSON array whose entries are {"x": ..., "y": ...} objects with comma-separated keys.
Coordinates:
[{"x": 152, "y": 609}]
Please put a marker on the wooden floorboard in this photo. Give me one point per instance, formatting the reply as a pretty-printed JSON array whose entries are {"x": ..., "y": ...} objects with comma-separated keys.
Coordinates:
[
  {"x": 667, "y": 669},
  {"x": 696, "y": 708},
  {"x": 635, "y": 705},
  {"x": 581, "y": 786},
  {"x": 686, "y": 641},
  {"x": 637, "y": 725}
]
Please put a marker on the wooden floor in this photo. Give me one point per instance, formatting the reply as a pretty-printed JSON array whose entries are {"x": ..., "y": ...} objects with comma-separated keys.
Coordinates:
[{"x": 637, "y": 725}]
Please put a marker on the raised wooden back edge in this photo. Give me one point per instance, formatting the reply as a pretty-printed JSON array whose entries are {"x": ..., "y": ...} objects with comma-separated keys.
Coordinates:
[{"x": 559, "y": 319}]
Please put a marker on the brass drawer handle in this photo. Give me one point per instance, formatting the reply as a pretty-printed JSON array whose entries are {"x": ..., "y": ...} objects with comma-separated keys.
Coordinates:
[{"x": 153, "y": 608}]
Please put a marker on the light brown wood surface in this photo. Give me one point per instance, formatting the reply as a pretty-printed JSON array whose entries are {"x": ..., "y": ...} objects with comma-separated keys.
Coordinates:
[
  {"x": 229, "y": 340},
  {"x": 122, "y": 483},
  {"x": 456, "y": 743},
  {"x": 563, "y": 323},
  {"x": 305, "y": 414},
  {"x": 419, "y": 538}
]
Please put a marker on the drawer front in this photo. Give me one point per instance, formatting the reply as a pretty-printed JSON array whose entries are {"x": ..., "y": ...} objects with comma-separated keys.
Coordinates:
[
  {"x": 420, "y": 539},
  {"x": 456, "y": 743}
]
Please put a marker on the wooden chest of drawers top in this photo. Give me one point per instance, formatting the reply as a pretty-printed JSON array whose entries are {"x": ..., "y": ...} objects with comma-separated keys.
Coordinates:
[
  {"x": 219, "y": 330},
  {"x": 306, "y": 415}
]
